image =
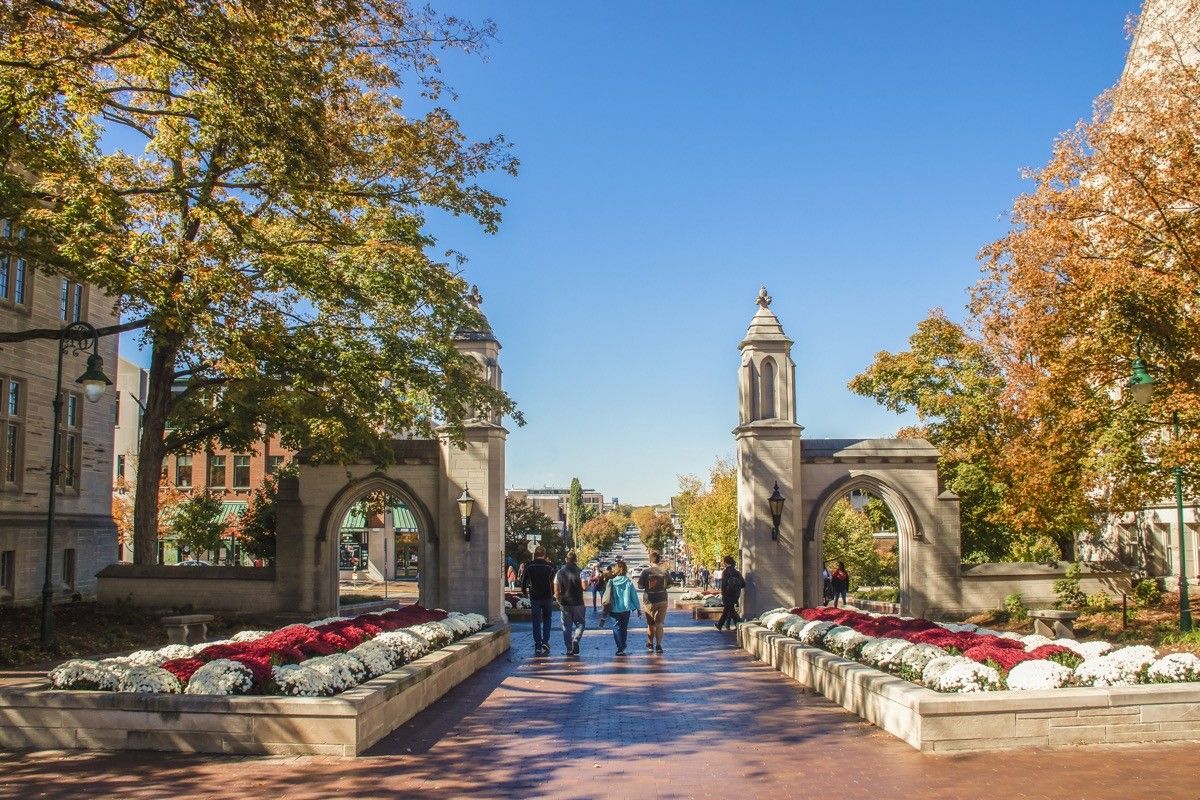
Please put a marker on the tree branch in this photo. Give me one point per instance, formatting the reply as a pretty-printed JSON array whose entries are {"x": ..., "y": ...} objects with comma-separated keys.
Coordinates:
[{"x": 55, "y": 333}]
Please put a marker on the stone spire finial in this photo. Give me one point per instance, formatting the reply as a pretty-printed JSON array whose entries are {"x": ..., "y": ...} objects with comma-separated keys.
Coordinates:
[
  {"x": 474, "y": 297},
  {"x": 764, "y": 299}
]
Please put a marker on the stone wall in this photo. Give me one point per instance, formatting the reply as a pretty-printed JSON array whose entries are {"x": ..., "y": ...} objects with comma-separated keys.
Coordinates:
[
  {"x": 984, "y": 586},
  {"x": 249, "y": 590},
  {"x": 933, "y": 721}
]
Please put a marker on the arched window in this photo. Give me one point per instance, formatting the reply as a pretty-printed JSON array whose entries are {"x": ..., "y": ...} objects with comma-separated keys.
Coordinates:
[
  {"x": 768, "y": 389},
  {"x": 752, "y": 388}
]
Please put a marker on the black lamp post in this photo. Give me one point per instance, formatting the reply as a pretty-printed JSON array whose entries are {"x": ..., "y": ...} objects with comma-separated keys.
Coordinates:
[
  {"x": 466, "y": 504},
  {"x": 78, "y": 337},
  {"x": 1141, "y": 386},
  {"x": 775, "y": 501}
]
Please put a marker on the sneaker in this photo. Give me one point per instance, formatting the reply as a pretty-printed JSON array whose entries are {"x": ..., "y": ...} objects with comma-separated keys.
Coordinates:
[
  {"x": 649, "y": 645},
  {"x": 575, "y": 649},
  {"x": 658, "y": 651},
  {"x": 620, "y": 652},
  {"x": 718, "y": 625}
]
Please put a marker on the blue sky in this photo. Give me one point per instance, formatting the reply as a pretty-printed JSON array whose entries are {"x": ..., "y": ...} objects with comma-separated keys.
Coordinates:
[{"x": 852, "y": 157}]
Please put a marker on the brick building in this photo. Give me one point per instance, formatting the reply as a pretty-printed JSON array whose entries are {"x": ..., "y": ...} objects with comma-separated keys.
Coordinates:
[{"x": 85, "y": 538}]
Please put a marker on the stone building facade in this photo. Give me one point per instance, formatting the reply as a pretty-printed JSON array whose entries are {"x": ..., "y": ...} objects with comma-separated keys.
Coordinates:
[{"x": 85, "y": 537}]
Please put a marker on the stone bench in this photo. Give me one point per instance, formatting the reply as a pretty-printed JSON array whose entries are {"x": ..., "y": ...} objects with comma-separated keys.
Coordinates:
[
  {"x": 187, "y": 628},
  {"x": 1053, "y": 623}
]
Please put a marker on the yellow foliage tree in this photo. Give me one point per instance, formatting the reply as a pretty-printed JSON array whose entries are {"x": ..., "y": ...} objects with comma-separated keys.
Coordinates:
[{"x": 710, "y": 514}]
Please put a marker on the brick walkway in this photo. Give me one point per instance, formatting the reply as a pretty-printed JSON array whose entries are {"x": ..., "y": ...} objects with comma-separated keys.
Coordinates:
[{"x": 701, "y": 721}]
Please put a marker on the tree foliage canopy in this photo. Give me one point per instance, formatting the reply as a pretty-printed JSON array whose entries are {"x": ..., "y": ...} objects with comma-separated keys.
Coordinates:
[
  {"x": 521, "y": 522},
  {"x": 709, "y": 514}
]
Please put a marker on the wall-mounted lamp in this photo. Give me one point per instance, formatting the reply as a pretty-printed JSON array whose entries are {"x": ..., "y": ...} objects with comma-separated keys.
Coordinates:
[
  {"x": 775, "y": 501},
  {"x": 466, "y": 504}
]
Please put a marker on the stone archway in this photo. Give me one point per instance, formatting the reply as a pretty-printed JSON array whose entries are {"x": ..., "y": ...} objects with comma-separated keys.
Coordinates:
[{"x": 354, "y": 491}]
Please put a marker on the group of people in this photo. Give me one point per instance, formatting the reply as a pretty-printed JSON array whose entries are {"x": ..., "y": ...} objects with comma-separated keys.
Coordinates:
[
  {"x": 618, "y": 599},
  {"x": 835, "y": 585}
]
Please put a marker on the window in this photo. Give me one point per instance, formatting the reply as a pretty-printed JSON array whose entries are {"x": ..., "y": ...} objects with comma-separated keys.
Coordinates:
[
  {"x": 273, "y": 464},
  {"x": 70, "y": 301},
  {"x": 241, "y": 472},
  {"x": 216, "y": 471},
  {"x": 70, "y": 431},
  {"x": 183, "y": 471},
  {"x": 8, "y": 571},
  {"x": 120, "y": 467},
  {"x": 13, "y": 269},
  {"x": 12, "y": 421},
  {"x": 68, "y": 568},
  {"x": 768, "y": 389}
]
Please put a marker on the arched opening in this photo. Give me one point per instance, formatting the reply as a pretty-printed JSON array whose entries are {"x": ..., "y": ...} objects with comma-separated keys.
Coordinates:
[
  {"x": 752, "y": 388},
  {"x": 866, "y": 523},
  {"x": 382, "y": 544},
  {"x": 768, "y": 388}
]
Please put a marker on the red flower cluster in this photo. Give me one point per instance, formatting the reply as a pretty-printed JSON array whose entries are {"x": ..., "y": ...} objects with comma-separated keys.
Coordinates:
[
  {"x": 295, "y": 643},
  {"x": 977, "y": 647}
]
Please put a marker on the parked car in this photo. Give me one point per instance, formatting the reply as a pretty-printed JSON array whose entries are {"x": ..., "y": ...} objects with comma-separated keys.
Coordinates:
[{"x": 678, "y": 578}]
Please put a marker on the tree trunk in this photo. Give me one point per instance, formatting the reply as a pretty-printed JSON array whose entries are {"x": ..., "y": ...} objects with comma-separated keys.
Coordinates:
[{"x": 152, "y": 453}]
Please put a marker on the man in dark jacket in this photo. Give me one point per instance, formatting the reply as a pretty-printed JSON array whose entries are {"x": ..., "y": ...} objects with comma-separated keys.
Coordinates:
[
  {"x": 654, "y": 582},
  {"x": 537, "y": 582},
  {"x": 568, "y": 590},
  {"x": 732, "y": 584}
]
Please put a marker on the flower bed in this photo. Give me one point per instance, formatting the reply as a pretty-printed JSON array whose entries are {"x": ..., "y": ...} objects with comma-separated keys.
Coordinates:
[
  {"x": 513, "y": 600},
  {"x": 951, "y": 657},
  {"x": 316, "y": 659}
]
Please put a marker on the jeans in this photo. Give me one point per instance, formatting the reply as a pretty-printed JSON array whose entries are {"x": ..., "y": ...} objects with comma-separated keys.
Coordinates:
[
  {"x": 596, "y": 592},
  {"x": 839, "y": 593},
  {"x": 729, "y": 616},
  {"x": 574, "y": 618},
  {"x": 620, "y": 628},
  {"x": 656, "y": 615},
  {"x": 541, "y": 621}
]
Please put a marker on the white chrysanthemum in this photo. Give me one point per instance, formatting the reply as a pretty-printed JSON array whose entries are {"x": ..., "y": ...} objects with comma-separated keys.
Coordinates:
[
  {"x": 1035, "y": 640},
  {"x": 302, "y": 681},
  {"x": 689, "y": 596},
  {"x": 1085, "y": 650},
  {"x": 958, "y": 627},
  {"x": 1175, "y": 668},
  {"x": 249, "y": 636},
  {"x": 1016, "y": 637},
  {"x": 882, "y": 652},
  {"x": 778, "y": 620},
  {"x": 457, "y": 627},
  {"x": 178, "y": 651},
  {"x": 812, "y": 633},
  {"x": 969, "y": 677},
  {"x": 1033, "y": 675},
  {"x": 845, "y": 642},
  {"x": 221, "y": 676},
  {"x": 794, "y": 629},
  {"x": 437, "y": 634},
  {"x": 377, "y": 657},
  {"x": 79, "y": 673},
  {"x": 911, "y": 661},
  {"x": 762, "y": 618},
  {"x": 931, "y": 676},
  {"x": 712, "y": 601},
  {"x": 405, "y": 644},
  {"x": 149, "y": 680},
  {"x": 318, "y": 622},
  {"x": 1135, "y": 656},
  {"x": 1122, "y": 667},
  {"x": 144, "y": 658}
]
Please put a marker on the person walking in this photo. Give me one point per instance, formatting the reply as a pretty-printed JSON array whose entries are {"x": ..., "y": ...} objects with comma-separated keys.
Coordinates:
[
  {"x": 596, "y": 584},
  {"x": 654, "y": 582},
  {"x": 732, "y": 584},
  {"x": 511, "y": 577},
  {"x": 704, "y": 576},
  {"x": 841, "y": 584},
  {"x": 826, "y": 584},
  {"x": 620, "y": 600},
  {"x": 605, "y": 576},
  {"x": 568, "y": 591},
  {"x": 537, "y": 583}
]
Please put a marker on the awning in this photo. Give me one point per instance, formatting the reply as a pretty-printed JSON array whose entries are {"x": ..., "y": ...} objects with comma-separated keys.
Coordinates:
[
  {"x": 232, "y": 509},
  {"x": 403, "y": 519},
  {"x": 356, "y": 519}
]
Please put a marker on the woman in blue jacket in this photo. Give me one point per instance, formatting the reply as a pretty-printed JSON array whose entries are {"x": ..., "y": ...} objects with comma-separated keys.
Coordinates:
[{"x": 620, "y": 600}]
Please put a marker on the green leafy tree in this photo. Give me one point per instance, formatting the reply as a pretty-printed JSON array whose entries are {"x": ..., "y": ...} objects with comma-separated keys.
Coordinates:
[
  {"x": 575, "y": 509},
  {"x": 250, "y": 183},
  {"x": 710, "y": 514},
  {"x": 846, "y": 537},
  {"x": 521, "y": 521},
  {"x": 197, "y": 525},
  {"x": 258, "y": 528}
]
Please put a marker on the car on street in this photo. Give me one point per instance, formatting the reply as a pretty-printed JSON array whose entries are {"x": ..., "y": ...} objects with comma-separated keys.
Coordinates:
[
  {"x": 678, "y": 578},
  {"x": 637, "y": 571}
]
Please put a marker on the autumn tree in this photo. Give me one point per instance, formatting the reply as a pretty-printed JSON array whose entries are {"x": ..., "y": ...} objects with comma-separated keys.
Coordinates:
[
  {"x": 596, "y": 536},
  {"x": 710, "y": 514},
  {"x": 250, "y": 184},
  {"x": 197, "y": 526},
  {"x": 658, "y": 532},
  {"x": 521, "y": 522}
]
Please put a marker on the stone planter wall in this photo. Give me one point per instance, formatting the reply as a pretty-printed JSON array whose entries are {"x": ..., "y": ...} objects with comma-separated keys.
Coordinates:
[
  {"x": 33, "y": 717},
  {"x": 933, "y": 721}
]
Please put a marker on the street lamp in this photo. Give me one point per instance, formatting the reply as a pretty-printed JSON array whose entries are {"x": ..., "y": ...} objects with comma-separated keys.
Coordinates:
[
  {"x": 775, "y": 501},
  {"x": 1141, "y": 386},
  {"x": 77, "y": 338},
  {"x": 466, "y": 504}
]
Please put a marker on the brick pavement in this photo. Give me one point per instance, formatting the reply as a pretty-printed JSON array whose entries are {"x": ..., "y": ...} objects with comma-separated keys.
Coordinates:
[{"x": 701, "y": 721}]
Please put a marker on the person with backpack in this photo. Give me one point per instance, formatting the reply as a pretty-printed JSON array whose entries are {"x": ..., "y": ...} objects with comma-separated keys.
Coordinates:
[
  {"x": 841, "y": 584},
  {"x": 732, "y": 584},
  {"x": 654, "y": 582},
  {"x": 620, "y": 600},
  {"x": 537, "y": 583},
  {"x": 568, "y": 591}
]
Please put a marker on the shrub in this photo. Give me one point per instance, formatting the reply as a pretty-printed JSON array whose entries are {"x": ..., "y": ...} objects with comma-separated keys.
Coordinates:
[
  {"x": 1015, "y": 607},
  {"x": 1098, "y": 602},
  {"x": 1146, "y": 593},
  {"x": 1067, "y": 589}
]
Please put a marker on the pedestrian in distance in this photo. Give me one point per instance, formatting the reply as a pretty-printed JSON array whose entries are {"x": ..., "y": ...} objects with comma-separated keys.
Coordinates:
[
  {"x": 597, "y": 586},
  {"x": 704, "y": 576},
  {"x": 654, "y": 582},
  {"x": 605, "y": 576},
  {"x": 620, "y": 600},
  {"x": 537, "y": 583},
  {"x": 732, "y": 584},
  {"x": 841, "y": 584},
  {"x": 568, "y": 590},
  {"x": 511, "y": 577},
  {"x": 826, "y": 584}
]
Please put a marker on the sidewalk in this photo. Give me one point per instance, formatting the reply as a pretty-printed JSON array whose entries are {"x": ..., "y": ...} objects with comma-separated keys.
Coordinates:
[{"x": 703, "y": 720}]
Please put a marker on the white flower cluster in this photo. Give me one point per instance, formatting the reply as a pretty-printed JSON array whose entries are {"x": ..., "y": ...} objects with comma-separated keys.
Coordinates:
[
  {"x": 249, "y": 636},
  {"x": 912, "y": 661},
  {"x": 405, "y": 645},
  {"x": 692, "y": 595},
  {"x": 764, "y": 618},
  {"x": 520, "y": 602},
  {"x": 1035, "y": 640},
  {"x": 882, "y": 653},
  {"x": 438, "y": 634},
  {"x": 969, "y": 677},
  {"x": 149, "y": 680},
  {"x": 1033, "y": 675},
  {"x": 713, "y": 601},
  {"x": 844, "y": 641},
  {"x": 780, "y": 620},
  {"x": 321, "y": 676},
  {"x": 814, "y": 632},
  {"x": 221, "y": 676},
  {"x": 79, "y": 673},
  {"x": 1122, "y": 667},
  {"x": 1085, "y": 650},
  {"x": 1174, "y": 668}
]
